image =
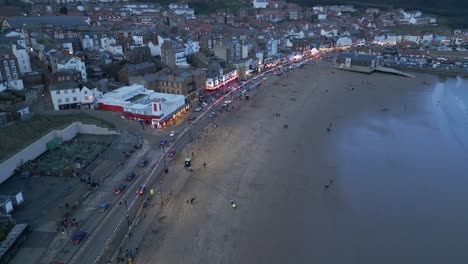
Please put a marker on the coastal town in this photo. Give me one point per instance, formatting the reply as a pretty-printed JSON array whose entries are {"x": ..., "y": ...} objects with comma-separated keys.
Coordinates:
[{"x": 94, "y": 89}]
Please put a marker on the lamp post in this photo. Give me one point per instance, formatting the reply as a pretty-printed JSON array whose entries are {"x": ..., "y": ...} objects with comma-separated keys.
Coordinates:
[
  {"x": 162, "y": 143},
  {"x": 161, "y": 190}
]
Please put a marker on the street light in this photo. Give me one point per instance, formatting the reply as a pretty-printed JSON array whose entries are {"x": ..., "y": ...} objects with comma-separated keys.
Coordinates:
[
  {"x": 161, "y": 190},
  {"x": 163, "y": 143},
  {"x": 128, "y": 218}
]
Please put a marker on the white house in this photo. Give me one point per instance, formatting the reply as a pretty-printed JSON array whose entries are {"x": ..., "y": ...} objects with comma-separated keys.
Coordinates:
[
  {"x": 63, "y": 61},
  {"x": 415, "y": 39},
  {"x": 322, "y": 16},
  {"x": 138, "y": 39},
  {"x": 272, "y": 46},
  {"x": 115, "y": 49},
  {"x": 427, "y": 38},
  {"x": 107, "y": 41},
  {"x": 191, "y": 47},
  {"x": 344, "y": 41},
  {"x": 22, "y": 56},
  {"x": 318, "y": 9},
  {"x": 154, "y": 47},
  {"x": 260, "y": 3},
  {"x": 391, "y": 40},
  {"x": 69, "y": 96}
]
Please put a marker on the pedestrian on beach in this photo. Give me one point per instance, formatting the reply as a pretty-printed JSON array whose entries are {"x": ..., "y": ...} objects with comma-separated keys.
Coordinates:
[
  {"x": 331, "y": 182},
  {"x": 326, "y": 186},
  {"x": 192, "y": 200},
  {"x": 204, "y": 164},
  {"x": 67, "y": 205}
]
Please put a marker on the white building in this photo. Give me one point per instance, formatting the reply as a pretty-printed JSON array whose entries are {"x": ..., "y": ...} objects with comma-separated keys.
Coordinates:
[
  {"x": 138, "y": 39},
  {"x": 63, "y": 61},
  {"x": 22, "y": 56},
  {"x": 322, "y": 16},
  {"x": 137, "y": 103},
  {"x": 67, "y": 95},
  {"x": 272, "y": 46},
  {"x": 260, "y": 3},
  {"x": 191, "y": 47},
  {"x": 344, "y": 42}
]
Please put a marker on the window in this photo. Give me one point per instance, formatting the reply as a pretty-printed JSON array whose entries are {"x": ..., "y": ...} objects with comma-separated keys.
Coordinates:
[
  {"x": 67, "y": 100},
  {"x": 57, "y": 92},
  {"x": 59, "y": 100},
  {"x": 12, "y": 62},
  {"x": 74, "y": 99},
  {"x": 65, "y": 92},
  {"x": 5, "y": 63},
  {"x": 85, "y": 92},
  {"x": 15, "y": 76},
  {"x": 8, "y": 76},
  {"x": 68, "y": 78},
  {"x": 73, "y": 91}
]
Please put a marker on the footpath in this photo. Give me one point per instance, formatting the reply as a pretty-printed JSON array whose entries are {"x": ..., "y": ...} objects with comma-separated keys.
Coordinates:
[{"x": 148, "y": 216}]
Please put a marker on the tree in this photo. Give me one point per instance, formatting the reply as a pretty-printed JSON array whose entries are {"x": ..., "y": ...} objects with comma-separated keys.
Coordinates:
[{"x": 63, "y": 10}]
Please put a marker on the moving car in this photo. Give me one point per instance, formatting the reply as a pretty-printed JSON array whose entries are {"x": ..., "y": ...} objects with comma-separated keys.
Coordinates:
[
  {"x": 120, "y": 188},
  {"x": 163, "y": 142},
  {"x": 191, "y": 118},
  {"x": 130, "y": 176},
  {"x": 204, "y": 104},
  {"x": 171, "y": 153},
  {"x": 103, "y": 207},
  {"x": 142, "y": 163},
  {"x": 172, "y": 133},
  {"x": 78, "y": 236},
  {"x": 141, "y": 190}
]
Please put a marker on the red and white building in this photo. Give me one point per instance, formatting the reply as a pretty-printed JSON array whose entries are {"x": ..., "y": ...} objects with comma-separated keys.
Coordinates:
[
  {"x": 140, "y": 104},
  {"x": 215, "y": 81}
]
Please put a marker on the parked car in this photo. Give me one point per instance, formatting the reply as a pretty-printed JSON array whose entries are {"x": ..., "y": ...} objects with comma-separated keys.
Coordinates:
[
  {"x": 130, "y": 176},
  {"x": 172, "y": 133},
  {"x": 171, "y": 153},
  {"x": 103, "y": 207},
  {"x": 120, "y": 188},
  {"x": 204, "y": 104},
  {"x": 142, "y": 163},
  {"x": 163, "y": 142},
  {"x": 198, "y": 109},
  {"x": 191, "y": 118},
  {"x": 141, "y": 190},
  {"x": 78, "y": 236}
]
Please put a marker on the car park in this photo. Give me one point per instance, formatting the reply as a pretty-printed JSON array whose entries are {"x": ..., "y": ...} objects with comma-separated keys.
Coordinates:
[
  {"x": 130, "y": 176},
  {"x": 104, "y": 206},
  {"x": 78, "y": 236},
  {"x": 141, "y": 190},
  {"x": 120, "y": 188}
]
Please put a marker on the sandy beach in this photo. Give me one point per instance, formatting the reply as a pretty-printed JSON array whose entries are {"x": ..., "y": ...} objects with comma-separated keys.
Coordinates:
[{"x": 397, "y": 193}]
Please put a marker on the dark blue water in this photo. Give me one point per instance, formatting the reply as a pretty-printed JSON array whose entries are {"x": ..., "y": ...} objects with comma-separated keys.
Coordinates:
[{"x": 403, "y": 179}]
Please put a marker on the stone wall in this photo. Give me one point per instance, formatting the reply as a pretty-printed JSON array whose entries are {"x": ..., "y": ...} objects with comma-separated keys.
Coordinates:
[{"x": 34, "y": 150}]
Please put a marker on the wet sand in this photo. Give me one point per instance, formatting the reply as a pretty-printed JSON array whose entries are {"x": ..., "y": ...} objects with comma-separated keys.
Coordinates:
[{"x": 397, "y": 194}]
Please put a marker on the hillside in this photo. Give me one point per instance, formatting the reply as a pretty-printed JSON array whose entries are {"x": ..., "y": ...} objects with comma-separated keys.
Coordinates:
[{"x": 456, "y": 11}]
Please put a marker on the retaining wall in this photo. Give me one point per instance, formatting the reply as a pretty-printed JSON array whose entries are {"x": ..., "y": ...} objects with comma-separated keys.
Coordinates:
[{"x": 34, "y": 150}]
